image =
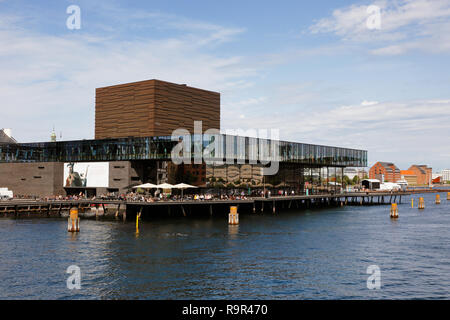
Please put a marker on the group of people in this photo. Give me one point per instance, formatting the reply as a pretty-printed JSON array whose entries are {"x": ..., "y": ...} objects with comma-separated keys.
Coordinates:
[
  {"x": 161, "y": 196},
  {"x": 241, "y": 195},
  {"x": 189, "y": 197}
]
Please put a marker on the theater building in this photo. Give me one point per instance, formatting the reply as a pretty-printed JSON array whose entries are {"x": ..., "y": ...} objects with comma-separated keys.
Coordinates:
[{"x": 133, "y": 144}]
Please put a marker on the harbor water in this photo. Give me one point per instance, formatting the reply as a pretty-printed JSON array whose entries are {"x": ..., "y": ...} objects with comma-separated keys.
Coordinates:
[{"x": 297, "y": 254}]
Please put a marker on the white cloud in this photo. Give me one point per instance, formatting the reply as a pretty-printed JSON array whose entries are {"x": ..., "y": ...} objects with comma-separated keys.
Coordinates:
[
  {"x": 405, "y": 25},
  {"x": 369, "y": 103},
  {"x": 402, "y": 131},
  {"x": 245, "y": 103},
  {"x": 50, "y": 80},
  {"x": 125, "y": 19}
]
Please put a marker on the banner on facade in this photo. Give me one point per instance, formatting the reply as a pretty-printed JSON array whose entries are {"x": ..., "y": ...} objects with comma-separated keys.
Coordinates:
[{"x": 86, "y": 174}]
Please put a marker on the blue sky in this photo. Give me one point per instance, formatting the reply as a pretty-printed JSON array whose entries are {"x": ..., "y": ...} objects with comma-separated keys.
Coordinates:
[{"x": 311, "y": 69}]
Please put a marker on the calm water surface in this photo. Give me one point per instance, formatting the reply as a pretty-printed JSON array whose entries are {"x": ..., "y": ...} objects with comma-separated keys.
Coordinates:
[{"x": 308, "y": 254}]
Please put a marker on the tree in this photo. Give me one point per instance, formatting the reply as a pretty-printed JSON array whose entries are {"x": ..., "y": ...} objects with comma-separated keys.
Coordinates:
[
  {"x": 140, "y": 191},
  {"x": 347, "y": 181},
  {"x": 355, "y": 180}
]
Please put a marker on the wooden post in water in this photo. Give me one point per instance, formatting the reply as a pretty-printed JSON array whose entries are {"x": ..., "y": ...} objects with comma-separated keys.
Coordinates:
[
  {"x": 137, "y": 224},
  {"x": 117, "y": 211},
  {"x": 421, "y": 203},
  {"x": 438, "y": 199},
  {"x": 138, "y": 216},
  {"x": 73, "y": 224},
  {"x": 394, "y": 211},
  {"x": 233, "y": 216}
]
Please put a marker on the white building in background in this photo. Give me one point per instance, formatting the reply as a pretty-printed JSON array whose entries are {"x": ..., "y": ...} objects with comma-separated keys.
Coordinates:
[
  {"x": 388, "y": 186},
  {"x": 352, "y": 172},
  {"x": 445, "y": 174}
]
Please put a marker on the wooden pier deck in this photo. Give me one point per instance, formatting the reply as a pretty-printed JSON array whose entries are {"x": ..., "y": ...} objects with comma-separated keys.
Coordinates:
[{"x": 120, "y": 208}]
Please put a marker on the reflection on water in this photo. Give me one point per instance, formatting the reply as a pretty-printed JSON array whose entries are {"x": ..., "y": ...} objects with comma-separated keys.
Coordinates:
[
  {"x": 233, "y": 231},
  {"x": 290, "y": 255}
]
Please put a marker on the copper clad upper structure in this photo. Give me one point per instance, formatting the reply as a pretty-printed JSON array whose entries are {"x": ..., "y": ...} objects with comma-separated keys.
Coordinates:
[{"x": 153, "y": 108}]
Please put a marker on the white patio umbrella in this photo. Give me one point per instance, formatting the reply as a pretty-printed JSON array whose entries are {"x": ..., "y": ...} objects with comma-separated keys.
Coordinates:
[
  {"x": 146, "y": 186},
  {"x": 183, "y": 186},
  {"x": 164, "y": 186}
]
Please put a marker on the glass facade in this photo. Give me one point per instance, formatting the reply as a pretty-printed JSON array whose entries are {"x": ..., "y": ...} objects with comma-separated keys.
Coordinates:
[
  {"x": 290, "y": 177},
  {"x": 225, "y": 147}
]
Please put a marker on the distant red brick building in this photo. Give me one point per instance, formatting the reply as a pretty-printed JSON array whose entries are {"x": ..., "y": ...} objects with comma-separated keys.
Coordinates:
[
  {"x": 385, "y": 171},
  {"x": 422, "y": 172},
  {"x": 410, "y": 176}
]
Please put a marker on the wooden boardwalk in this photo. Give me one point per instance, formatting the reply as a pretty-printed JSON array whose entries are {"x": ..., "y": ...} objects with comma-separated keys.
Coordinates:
[{"x": 255, "y": 204}]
